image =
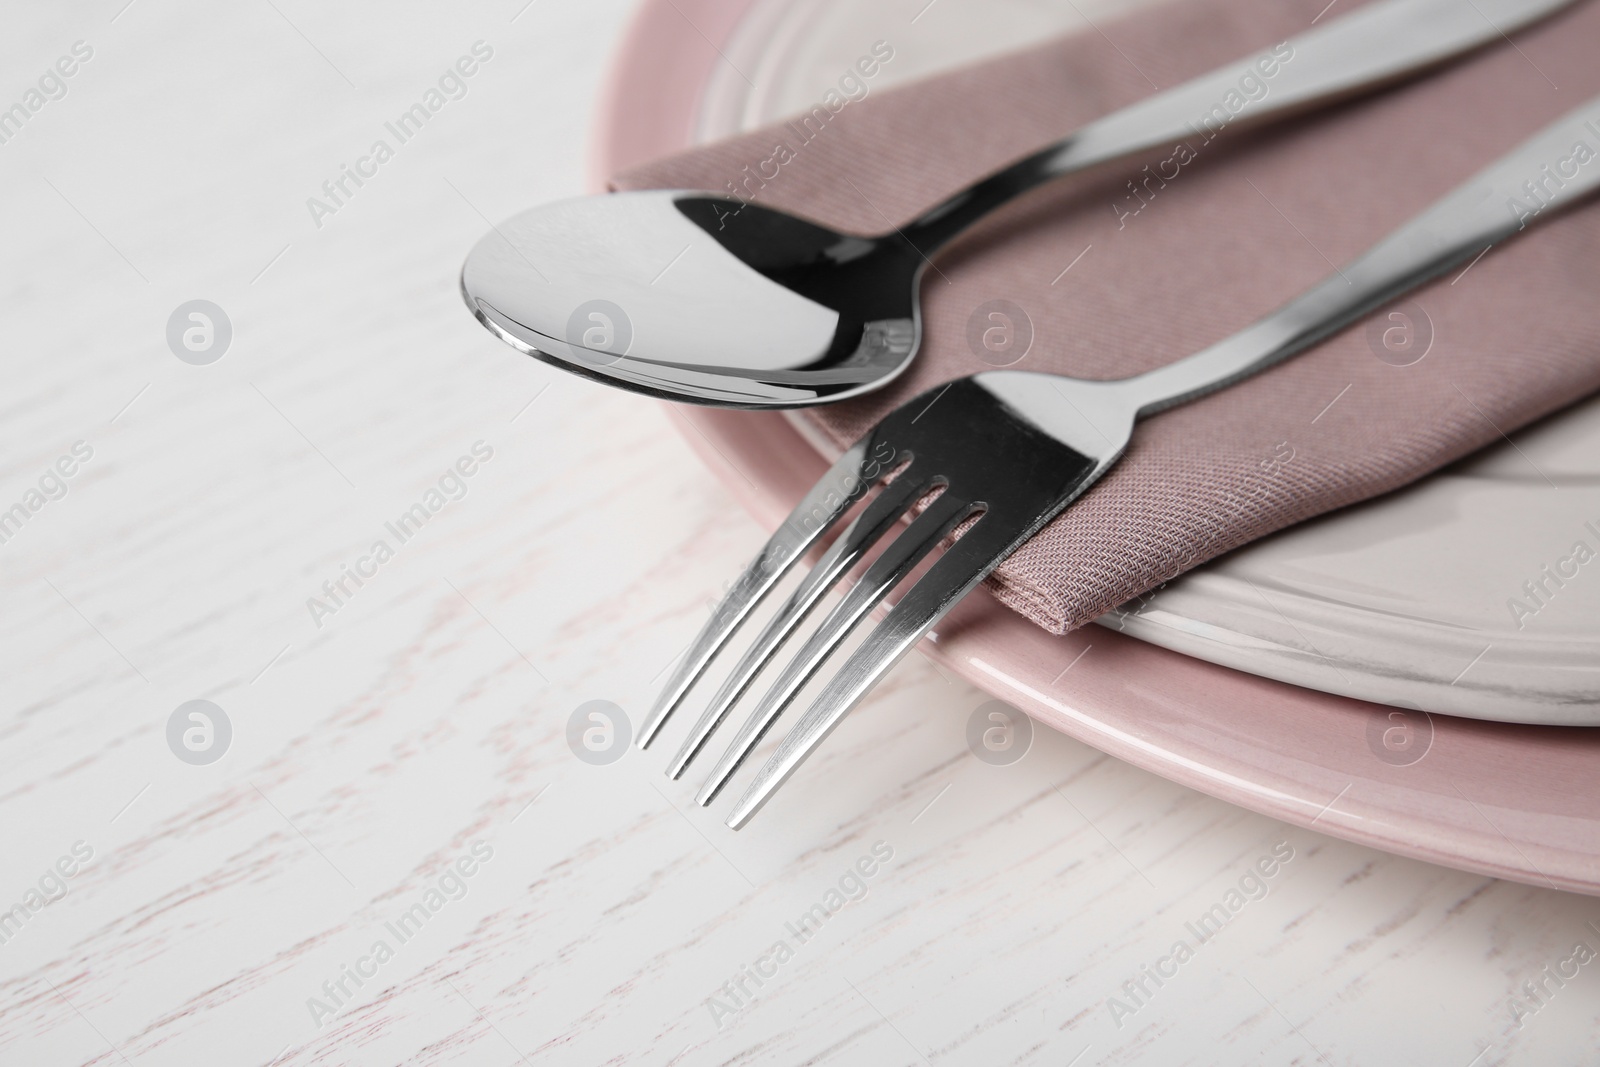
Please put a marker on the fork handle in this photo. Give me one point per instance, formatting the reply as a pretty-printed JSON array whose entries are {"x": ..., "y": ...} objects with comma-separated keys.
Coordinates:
[
  {"x": 1555, "y": 168},
  {"x": 1373, "y": 46}
]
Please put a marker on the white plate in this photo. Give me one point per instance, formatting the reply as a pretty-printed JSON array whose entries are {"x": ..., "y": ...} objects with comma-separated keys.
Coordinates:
[{"x": 1406, "y": 600}]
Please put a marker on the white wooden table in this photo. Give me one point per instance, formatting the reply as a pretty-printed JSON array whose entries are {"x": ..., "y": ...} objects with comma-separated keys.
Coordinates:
[{"x": 228, "y": 912}]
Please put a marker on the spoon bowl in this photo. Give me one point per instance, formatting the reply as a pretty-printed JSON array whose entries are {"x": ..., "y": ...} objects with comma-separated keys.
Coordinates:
[{"x": 699, "y": 297}]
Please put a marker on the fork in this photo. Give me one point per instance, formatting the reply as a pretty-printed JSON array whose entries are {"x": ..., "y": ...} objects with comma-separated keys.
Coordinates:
[{"x": 1001, "y": 453}]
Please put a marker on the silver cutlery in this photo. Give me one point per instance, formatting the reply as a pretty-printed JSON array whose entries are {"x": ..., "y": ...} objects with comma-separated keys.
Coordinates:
[
  {"x": 701, "y": 297},
  {"x": 1011, "y": 449}
]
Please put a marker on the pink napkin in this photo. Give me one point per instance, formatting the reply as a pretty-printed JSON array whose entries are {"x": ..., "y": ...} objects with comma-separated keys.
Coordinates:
[{"x": 1200, "y": 248}]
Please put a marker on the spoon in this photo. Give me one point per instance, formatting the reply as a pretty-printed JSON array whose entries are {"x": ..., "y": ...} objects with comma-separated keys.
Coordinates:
[{"x": 699, "y": 297}]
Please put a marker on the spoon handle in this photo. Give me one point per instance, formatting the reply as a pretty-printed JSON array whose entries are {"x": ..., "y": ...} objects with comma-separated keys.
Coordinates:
[
  {"x": 1555, "y": 168},
  {"x": 1379, "y": 43}
]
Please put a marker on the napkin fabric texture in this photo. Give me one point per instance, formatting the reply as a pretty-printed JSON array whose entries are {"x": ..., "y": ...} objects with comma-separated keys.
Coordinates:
[{"x": 1213, "y": 235}]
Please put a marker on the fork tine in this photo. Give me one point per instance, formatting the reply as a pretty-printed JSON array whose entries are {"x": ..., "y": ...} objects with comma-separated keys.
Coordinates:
[
  {"x": 963, "y": 566},
  {"x": 861, "y": 535},
  {"x": 896, "y": 561},
  {"x": 833, "y": 494}
]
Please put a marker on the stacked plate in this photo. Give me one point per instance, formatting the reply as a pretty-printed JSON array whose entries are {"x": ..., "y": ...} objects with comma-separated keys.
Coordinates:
[{"x": 1475, "y": 593}]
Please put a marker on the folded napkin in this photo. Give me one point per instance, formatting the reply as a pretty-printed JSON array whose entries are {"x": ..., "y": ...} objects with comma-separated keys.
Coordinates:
[{"x": 1213, "y": 235}]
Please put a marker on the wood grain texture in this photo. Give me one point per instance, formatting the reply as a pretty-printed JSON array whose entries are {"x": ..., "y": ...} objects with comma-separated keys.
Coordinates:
[{"x": 430, "y": 710}]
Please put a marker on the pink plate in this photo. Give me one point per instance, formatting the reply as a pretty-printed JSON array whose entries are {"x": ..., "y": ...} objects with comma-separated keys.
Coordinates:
[{"x": 1515, "y": 802}]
